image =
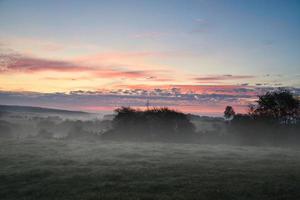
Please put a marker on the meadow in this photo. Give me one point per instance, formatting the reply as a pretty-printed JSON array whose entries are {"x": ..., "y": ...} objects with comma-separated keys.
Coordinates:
[{"x": 70, "y": 169}]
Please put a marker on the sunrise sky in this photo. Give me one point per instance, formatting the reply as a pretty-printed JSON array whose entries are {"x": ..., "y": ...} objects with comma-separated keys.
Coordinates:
[{"x": 194, "y": 56}]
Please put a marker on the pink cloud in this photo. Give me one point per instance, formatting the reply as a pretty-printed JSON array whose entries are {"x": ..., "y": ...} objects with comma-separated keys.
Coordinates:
[
  {"x": 23, "y": 64},
  {"x": 18, "y": 63}
]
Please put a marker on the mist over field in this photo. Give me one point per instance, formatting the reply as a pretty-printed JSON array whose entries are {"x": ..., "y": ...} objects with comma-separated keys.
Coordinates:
[
  {"x": 59, "y": 154},
  {"x": 48, "y": 169},
  {"x": 149, "y": 100}
]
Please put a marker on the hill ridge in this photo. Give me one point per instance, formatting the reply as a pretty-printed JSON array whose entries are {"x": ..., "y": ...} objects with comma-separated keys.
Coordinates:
[{"x": 37, "y": 109}]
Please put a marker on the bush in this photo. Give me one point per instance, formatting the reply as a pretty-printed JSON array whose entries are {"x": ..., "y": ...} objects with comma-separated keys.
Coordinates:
[{"x": 157, "y": 124}]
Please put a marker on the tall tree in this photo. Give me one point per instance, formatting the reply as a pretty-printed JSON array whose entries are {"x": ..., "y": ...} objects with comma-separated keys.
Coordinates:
[
  {"x": 229, "y": 113},
  {"x": 278, "y": 104}
]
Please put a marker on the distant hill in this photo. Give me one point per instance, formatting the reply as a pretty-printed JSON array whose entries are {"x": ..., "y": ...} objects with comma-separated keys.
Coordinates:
[
  {"x": 203, "y": 118},
  {"x": 31, "y": 109}
]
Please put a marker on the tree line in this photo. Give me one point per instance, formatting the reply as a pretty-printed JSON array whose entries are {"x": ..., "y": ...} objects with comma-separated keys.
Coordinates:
[{"x": 272, "y": 119}]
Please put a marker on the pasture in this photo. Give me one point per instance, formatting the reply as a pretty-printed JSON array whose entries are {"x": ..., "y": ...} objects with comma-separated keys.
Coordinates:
[{"x": 71, "y": 170}]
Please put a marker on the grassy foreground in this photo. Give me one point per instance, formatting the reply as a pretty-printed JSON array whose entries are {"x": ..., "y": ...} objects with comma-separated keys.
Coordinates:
[{"x": 49, "y": 169}]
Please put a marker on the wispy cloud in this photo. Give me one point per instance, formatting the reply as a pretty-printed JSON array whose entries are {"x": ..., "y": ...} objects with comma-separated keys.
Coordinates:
[
  {"x": 14, "y": 63},
  {"x": 19, "y": 63},
  {"x": 223, "y": 77},
  {"x": 122, "y": 74}
]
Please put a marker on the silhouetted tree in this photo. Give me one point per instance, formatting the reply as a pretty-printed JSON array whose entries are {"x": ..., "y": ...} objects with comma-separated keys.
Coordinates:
[
  {"x": 152, "y": 124},
  {"x": 272, "y": 120},
  {"x": 229, "y": 113},
  {"x": 279, "y": 104}
]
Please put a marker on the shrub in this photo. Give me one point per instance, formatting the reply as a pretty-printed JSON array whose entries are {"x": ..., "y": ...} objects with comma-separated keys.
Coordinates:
[{"x": 152, "y": 124}]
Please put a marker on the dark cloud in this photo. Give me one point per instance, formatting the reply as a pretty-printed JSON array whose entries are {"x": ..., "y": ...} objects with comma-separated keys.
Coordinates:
[
  {"x": 223, "y": 77},
  {"x": 244, "y": 84}
]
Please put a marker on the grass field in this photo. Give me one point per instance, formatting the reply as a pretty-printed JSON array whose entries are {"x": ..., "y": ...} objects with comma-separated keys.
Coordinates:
[{"x": 50, "y": 169}]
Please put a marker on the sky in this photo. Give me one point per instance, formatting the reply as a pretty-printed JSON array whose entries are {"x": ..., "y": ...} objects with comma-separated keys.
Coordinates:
[{"x": 193, "y": 56}]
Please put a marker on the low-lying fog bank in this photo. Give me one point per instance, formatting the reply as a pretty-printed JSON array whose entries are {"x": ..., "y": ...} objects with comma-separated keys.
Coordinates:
[
  {"x": 72, "y": 169},
  {"x": 260, "y": 127}
]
